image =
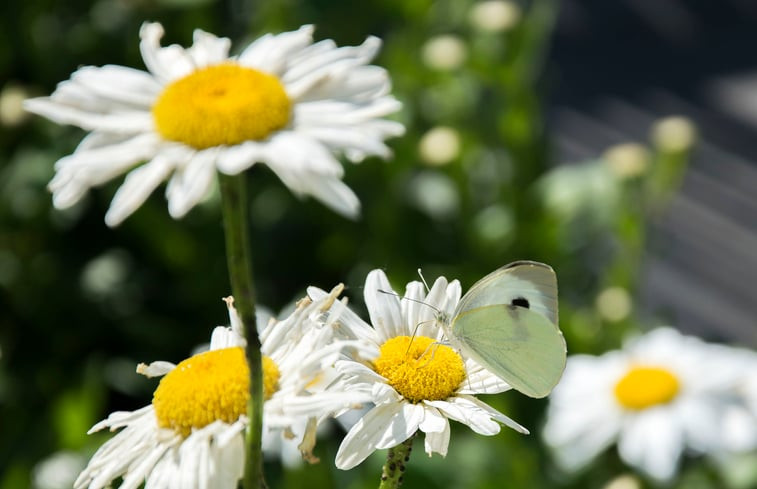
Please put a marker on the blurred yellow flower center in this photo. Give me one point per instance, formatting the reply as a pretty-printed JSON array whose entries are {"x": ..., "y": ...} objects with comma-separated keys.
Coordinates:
[
  {"x": 210, "y": 386},
  {"x": 419, "y": 369},
  {"x": 643, "y": 387},
  {"x": 221, "y": 105}
]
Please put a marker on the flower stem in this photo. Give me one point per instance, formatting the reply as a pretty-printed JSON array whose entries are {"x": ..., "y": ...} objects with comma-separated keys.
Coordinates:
[
  {"x": 238, "y": 257},
  {"x": 394, "y": 469}
]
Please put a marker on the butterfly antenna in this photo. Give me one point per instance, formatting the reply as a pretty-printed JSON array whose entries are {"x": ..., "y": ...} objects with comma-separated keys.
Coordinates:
[
  {"x": 423, "y": 279},
  {"x": 402, "y": 298}
]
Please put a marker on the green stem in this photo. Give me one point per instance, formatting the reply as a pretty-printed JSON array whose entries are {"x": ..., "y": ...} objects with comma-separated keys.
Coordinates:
[
  {"x": 394, "y": 469},
  {"x": 238, "y": 256}
]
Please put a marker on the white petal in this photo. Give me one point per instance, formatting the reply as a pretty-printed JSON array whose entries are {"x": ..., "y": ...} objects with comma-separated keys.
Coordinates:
[
  {"x": 294, "y": 153},
  {"x": 353, "y": 138},
  {"x": 119, "y": 84},
  {"x": 208, "y": 49},
  {"x": 383, "y": 306},
  {"x": 190, "y": 184},
  {"x": 137, "y": 186},
  {"x": 228, "y": 463},
  {"x": 375, "y": 428},
  {"x": 653, "y": 443},
  {"x": 438, "y": 441},
  {"x": 335, "y": 194},
  {"x": 237, "y": 158},
  {"x": 433, "y": 421},
  {"x": 271, "y": 53},
  {"x": 331, "y": 63},
  {"x": 223, "y": 337},
  {"x": 123, "y": 121},
  {"x": 358, "y": 85},
  {"x": 155, "y": 369},
  {"x": 166, "y": 63},
  {"x": 340, "y": 113}
]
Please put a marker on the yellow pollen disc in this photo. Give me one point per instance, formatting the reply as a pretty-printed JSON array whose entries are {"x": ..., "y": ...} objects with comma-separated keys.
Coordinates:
[
  {"x": 424, "y": 371},
  {"x": 644, "y": 387},
  {"x": 221, "y": 105},
  {"x": 210, "y": 386}
]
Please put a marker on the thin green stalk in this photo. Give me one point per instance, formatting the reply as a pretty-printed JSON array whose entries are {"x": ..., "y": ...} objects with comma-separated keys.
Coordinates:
[
  {"x": 394, "y": 469},
  {"x": 238, "y": 256}
]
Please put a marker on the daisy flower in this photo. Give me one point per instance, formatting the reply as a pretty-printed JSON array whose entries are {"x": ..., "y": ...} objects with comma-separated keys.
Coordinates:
[
  {"x": 284, "y": 101},
  {"x": 192, "y": 435},
  {"x": 415, "y": 382},
  {"x": 660, "y": 396}
]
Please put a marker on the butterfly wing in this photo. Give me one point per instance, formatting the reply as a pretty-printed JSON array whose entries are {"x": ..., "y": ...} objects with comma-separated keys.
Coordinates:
[
  {"x": 508, "y": 322},
  {"x": 528, "y": 284},
  {"x": 519, "y": 345}
]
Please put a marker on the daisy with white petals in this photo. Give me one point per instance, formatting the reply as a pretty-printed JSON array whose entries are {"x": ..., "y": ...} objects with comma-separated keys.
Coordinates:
[
  {"x": 284, "y": 101},
  {"x": 192, "y": 435},
  {"x": 663, "y": 395},
  {"x": 415, "y": 382}
]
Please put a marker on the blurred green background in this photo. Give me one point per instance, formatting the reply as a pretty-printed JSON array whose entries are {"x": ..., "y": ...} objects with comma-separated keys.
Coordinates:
[{"x": 480, "y": 179}]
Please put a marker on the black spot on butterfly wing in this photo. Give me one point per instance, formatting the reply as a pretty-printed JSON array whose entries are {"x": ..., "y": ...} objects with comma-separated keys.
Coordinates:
[{"x": 520, "y": 302}]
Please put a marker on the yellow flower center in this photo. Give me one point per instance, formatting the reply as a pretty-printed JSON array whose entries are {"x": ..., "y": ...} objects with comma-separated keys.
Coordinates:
[
  {"x": 419, "y": 369},
  {"x": 644, "y": 387},
  {"x": 221, "y": 105},
  {"x": 210, "y": 386}
]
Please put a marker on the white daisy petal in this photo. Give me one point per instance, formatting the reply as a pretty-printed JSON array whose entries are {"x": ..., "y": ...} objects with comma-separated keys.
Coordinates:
[
  {"x": 208, "y": 49},
  {"x": 137, "y": 186},
  {"x": 270, "y": 52},
  {"x": 460, "y": 410},
  {"x": 190, "y": 184},
  {"x": 333, "y": 62},
  {"x": 437, "y": 442},
  {"x": 383, "y": 306},
  {"x": 155, "y": 369},
  {"x": 653, "y": 442},
  {"x": 241, "y": 157},
  {"x": 124, "y": 121},
  {"x": 334, "y": 194},
  {"x": 166, "y": 63},
  {"x": 373, "y": 428},
  {"x": 359, "y": 85}
]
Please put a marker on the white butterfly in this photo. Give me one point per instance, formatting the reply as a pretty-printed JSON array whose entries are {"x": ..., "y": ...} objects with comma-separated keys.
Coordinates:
[{"x": 507, "y": 322}]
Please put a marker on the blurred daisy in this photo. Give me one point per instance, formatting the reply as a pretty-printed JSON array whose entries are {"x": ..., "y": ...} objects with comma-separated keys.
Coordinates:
[
  {"x": 415, "y": 382},
  {"x": 192, "y": 435},
  {"x": 284, "y": 101},
  {"x": 663, "y": 394}
]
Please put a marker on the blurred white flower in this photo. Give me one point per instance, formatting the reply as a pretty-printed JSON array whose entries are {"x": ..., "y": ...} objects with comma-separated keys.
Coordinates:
[
  {"x": 660, "y": 396},
  {"x": 439, "y": 146},
  {"x": 445, "y": 52},
  {"x": 674, "y": 134},
  {"x": 494, "y": 15},
  {"x": 614, "y": 303},
  {"x": 192, "y": 435},
  {"x": 284, "y": 101},
  {"x": 627, "y": 160},
  {"x": 12, "y": 99},
  {"x": 58, "y": 471},
  {"x": 415, "y": 382}
]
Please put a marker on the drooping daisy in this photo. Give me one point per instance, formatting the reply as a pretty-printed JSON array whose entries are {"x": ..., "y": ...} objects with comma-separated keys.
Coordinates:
[
  {"x": 415, "y": 382},
  {"x": 284, "y": 101},
  {"x": 191, "y": 436},
  {"x": 660, "y": 396}
]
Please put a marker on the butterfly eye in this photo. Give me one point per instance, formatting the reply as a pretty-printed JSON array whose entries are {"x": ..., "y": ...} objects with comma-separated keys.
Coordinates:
[{"x": 521, "y": 302}]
